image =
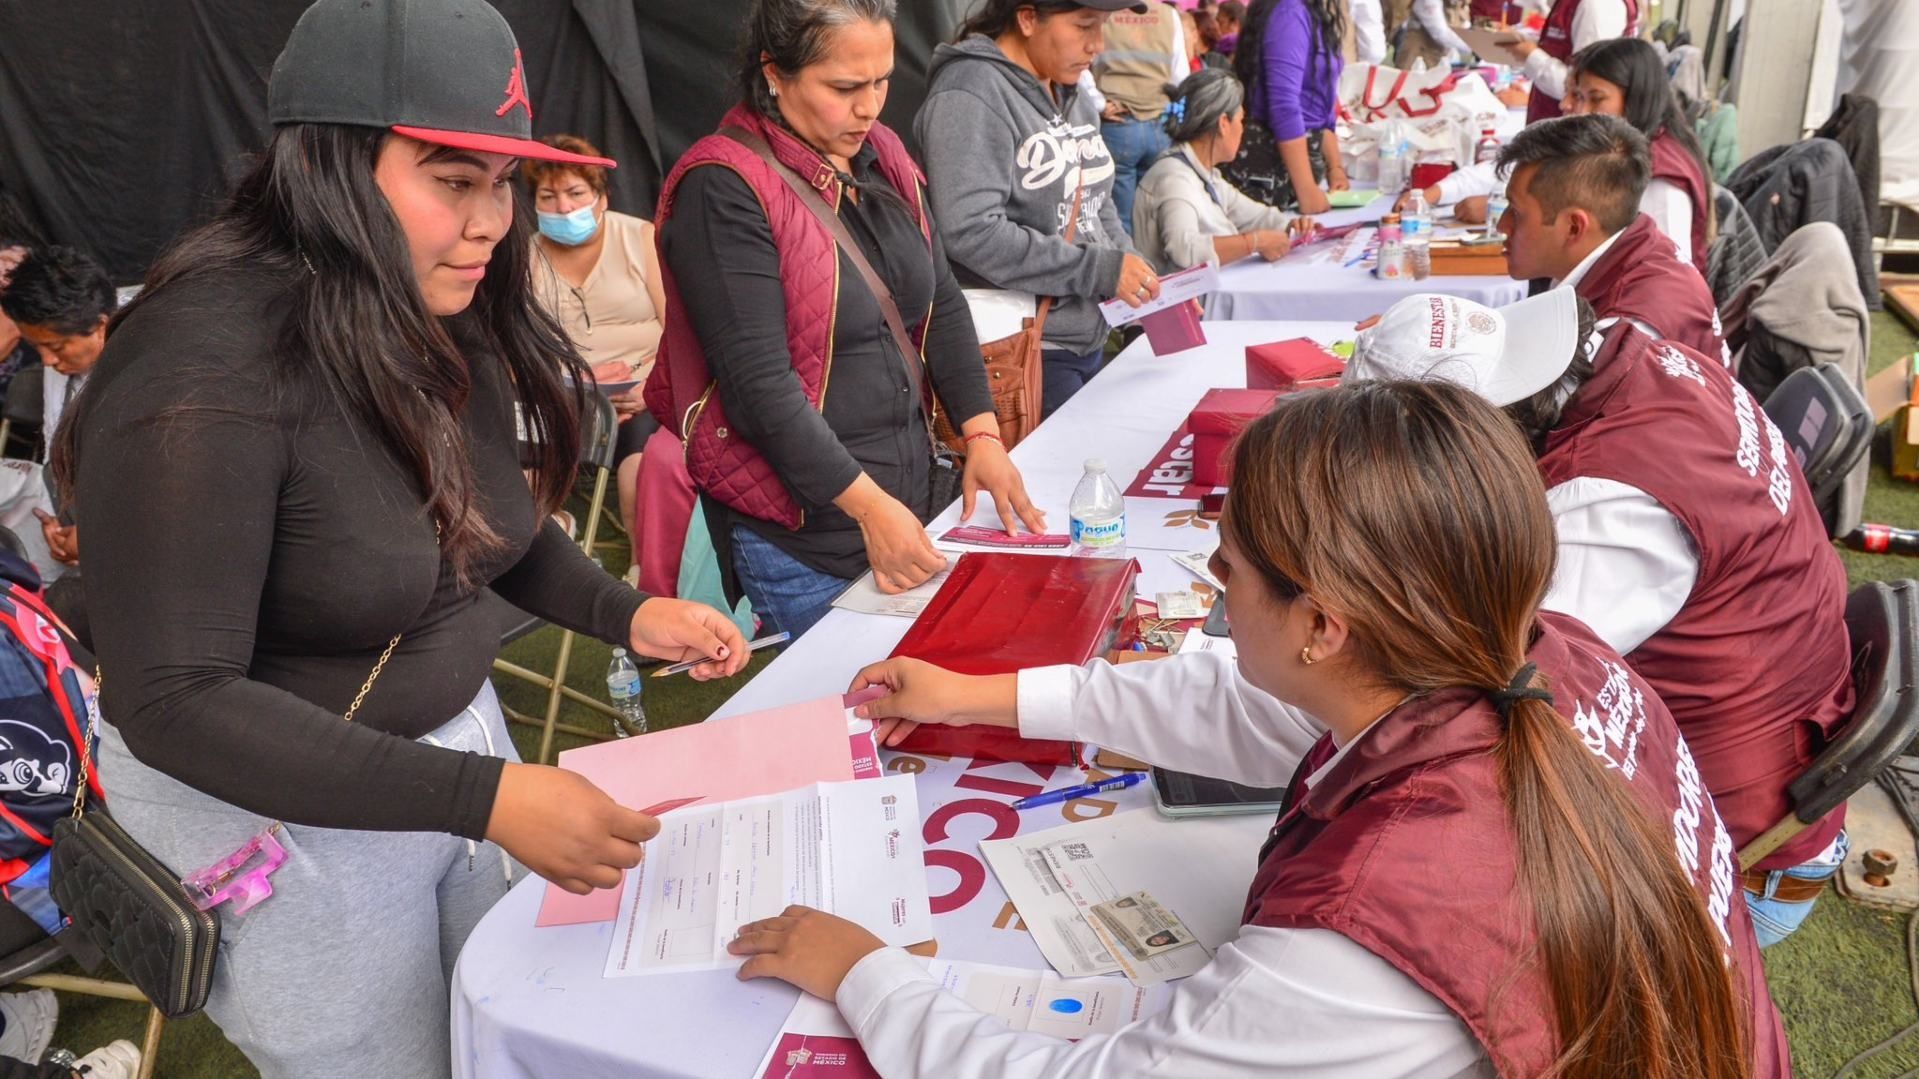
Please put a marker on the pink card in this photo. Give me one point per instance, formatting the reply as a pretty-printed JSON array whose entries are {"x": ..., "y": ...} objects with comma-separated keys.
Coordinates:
[{"x": 743, "y": 757}]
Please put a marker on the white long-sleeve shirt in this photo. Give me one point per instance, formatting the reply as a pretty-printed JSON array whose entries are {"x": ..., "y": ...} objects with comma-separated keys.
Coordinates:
[
  {"x": 1273, "y": 1002},
  {"x": 1431, "y": 16},
  {"x": 1369, "y": 32},
  {"x": 1596, "y": 20}
]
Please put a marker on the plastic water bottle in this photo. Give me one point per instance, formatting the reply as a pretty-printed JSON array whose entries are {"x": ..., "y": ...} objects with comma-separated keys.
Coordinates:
[
  {"x": 1392, "y": 167},
  {"x": 1098, "y": 513},
  {"x": 1416, "y": 232},
  {"x": 1392, "y": 250},
  {"x": 623, "y": 686},
  {"x": 1495, "y": 209},
  {"x": 1487, "y": 148}
]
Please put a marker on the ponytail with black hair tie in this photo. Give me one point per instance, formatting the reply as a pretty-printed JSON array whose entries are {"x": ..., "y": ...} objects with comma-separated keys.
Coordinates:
[{"x": 1520, "y": 689}]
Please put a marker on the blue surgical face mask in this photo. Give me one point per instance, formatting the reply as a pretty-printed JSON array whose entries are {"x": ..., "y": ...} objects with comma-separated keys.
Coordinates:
[{"x": 570, "y": 230}]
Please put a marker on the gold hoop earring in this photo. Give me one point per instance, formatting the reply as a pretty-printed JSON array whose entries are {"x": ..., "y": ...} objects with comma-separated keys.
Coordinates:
[{"x": 1306, "y": 656}]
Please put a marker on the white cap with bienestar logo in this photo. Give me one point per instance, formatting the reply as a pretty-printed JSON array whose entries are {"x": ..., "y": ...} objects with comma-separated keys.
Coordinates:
[{"x": 1504, "y": 354}]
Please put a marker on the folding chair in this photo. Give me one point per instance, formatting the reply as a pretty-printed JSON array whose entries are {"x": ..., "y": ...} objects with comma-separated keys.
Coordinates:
[
  {"x": 1828, "y": 425},
  {"x": 596, "y": 457},
  {"x": 1883, "y": 620},
  {"x": 26, "y": 953}
]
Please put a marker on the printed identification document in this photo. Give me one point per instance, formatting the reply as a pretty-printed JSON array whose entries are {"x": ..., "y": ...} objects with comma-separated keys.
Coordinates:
[{"x": 851, "y": 849}]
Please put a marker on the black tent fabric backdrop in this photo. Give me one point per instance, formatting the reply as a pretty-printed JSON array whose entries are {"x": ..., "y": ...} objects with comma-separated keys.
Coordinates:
[{"x": 122, "y": 123}]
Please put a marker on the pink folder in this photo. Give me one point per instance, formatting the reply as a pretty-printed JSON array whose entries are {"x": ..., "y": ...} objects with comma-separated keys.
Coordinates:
[{"x": 743, "y": 757}]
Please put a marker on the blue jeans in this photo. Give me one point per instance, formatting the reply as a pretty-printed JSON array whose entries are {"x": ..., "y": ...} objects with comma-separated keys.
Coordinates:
[
  {"x": 787, "y": 594},
  {"x": 1062, "y": 373},
  {"x": 1135, "y": 145},
  {"x": 1773, "y": 920}
]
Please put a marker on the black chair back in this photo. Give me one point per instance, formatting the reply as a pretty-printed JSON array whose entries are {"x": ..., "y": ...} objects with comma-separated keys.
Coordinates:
[
  {"x": 1883, "y": 620},
  {"x": 1828, "y": 425}
]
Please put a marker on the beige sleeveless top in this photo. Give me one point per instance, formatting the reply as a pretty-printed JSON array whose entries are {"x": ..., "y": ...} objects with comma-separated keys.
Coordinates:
[{"x": 609, "y": 316}]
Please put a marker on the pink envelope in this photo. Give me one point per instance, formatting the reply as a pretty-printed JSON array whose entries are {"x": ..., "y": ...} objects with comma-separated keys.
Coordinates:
[
  {"x": 743, "y": 757},
  {"x": 1174, "y": 329}
]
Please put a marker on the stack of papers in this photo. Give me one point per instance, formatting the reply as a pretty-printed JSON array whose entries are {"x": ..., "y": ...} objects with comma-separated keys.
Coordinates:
[{"x": 851, "y": 849}]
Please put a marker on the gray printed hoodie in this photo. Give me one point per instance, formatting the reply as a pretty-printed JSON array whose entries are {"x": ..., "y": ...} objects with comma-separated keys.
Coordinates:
[{"x": 1002, "y": 161}]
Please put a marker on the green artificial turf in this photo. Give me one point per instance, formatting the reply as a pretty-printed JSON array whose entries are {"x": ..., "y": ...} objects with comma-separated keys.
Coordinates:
[{"x": 1841, "y": 982}]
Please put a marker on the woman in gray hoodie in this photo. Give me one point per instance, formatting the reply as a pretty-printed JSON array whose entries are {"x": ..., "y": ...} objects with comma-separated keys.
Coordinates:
[{"x": 1008, "y": 142}]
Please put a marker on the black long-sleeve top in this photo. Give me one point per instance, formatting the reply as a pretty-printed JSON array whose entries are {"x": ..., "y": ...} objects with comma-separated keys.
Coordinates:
[
  {"x": 721, "y": 251},
  {"x": 250, "y": 548}
]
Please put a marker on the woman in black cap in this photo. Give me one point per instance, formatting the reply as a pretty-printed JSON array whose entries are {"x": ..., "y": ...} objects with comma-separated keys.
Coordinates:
[{"x": 297, "y": 470}]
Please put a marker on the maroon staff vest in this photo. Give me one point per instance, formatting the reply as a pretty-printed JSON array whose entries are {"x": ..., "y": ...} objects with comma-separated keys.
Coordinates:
[
  {"x": 1641, "y": 277},
  {"x": 1556, "y": 41},
  {"x": 1405, "y": 847},
  {"x": 1756, "y": 667},
  {"x": 1673, "y": 164},
  {"x": 680, "y": 393}
]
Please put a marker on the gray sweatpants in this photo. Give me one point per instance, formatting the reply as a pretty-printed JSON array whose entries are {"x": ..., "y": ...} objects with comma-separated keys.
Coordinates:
[{"x": 345, "y": 971}]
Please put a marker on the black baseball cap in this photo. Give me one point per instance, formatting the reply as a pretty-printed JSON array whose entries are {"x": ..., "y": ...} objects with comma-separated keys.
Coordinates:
[{"x": 446, "y": 72}]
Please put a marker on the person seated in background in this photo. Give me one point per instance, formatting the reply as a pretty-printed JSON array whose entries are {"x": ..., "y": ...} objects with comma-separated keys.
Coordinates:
[
  {"x": 1572, "y": 216},
  {"x": 61, "y": 299},
  {"x": 1290, "y": 62},
  {"x": 16, "y": 352},
  {"x": 1688, "y": 540},
  {"x": 1187, "y": 214},
  {"x": 1625, "y": 77},
  {"x": 1460, "y": 879},
  {"x": 1570, "y": 26},
  {"x": 597, "y": 270}
]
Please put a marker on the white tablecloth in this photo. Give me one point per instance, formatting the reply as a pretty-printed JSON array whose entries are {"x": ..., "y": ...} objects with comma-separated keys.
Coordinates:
[
  {"x": 1310, "y": 285},
  {"x": 531, "y": 1002}
]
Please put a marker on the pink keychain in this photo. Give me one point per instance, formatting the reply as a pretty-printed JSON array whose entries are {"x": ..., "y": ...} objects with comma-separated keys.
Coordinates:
[{"x": 223, "y": 880}]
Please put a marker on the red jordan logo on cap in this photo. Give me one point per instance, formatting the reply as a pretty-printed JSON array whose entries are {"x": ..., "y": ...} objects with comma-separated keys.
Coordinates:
[{"x": 516, "y": 90}]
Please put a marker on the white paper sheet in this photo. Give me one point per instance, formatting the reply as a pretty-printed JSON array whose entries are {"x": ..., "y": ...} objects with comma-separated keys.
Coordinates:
[
  {"x": 1127, "y": 852},
  {"x": 1197, "y": 641},
  {"x": 852, "y": 849},
  {"x": 1174, "y": 289},
  {"x": 864, "y": 596}
]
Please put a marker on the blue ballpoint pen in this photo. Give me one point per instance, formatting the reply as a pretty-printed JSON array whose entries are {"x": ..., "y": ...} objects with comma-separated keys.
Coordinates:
[{"x": 1067, "y": 794}]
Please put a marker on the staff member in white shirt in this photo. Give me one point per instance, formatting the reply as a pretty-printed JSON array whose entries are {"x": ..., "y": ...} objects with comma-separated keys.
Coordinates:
[
  {"x": 1385, "y": 549},
  {"x": 1186, "y": 213}
]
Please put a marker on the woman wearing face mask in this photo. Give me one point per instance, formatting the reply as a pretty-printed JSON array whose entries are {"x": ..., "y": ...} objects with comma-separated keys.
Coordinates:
[
  {"x": 1498, "y": 860},
  {"x": 1014, "y": 150},
  {"x": 297, "y": 470},
  {"x": 804, "y": 417},
  {"x": 1187, "y": 213},
  {"x": 597, "y": 270}
]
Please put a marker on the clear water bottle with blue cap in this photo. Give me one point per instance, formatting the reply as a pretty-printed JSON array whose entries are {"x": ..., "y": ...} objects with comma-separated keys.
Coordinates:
[
  {"x": 1098, "y": 513},
  {"x": 623, "y": 685}
]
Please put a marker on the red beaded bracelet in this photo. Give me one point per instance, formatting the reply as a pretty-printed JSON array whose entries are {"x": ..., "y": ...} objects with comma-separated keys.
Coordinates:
[{"x": 981, "y": 434}]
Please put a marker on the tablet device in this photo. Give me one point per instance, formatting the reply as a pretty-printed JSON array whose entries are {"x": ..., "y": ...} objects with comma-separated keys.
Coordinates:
[{"x": 1182, "y": 794}]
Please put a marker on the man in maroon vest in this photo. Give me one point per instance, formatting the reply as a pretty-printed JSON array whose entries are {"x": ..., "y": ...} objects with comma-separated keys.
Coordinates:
[
  {"x": 1570, "y": 26},
  {"x": 1573, "y": 190},
  {"x": 1688, "y": 541}
]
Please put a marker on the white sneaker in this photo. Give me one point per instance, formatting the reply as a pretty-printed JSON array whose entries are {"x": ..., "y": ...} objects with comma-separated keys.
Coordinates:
[
  {"x": 115, "y": 1060},
  {"x": 29, "y": 1019}
]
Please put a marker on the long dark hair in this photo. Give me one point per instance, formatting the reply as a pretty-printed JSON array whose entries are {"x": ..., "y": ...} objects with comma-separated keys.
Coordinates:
[
  {"x": 995, "y": 17},
  {"x": 359, "y": 329},
  {"x": 1415, "y": 511},
  {"x": 1249, "y": 56},
  {"x": 1651, "y": 104}
]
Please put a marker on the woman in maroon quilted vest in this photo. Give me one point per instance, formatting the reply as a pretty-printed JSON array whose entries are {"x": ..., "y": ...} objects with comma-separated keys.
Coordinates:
[
  {"x": 1624, "y": 77},
  {"x": 805, "y": 420},
  {"x": 1499, "y": 859}
]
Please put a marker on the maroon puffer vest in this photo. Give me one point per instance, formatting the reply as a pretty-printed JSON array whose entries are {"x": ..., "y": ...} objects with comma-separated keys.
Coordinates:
[
  {"x": 681, "y": 393},
  {"x": 1756, "y": 667},
  {"x": 1673, "y": 164},
  {"x": 1405, "y": 848},
  {"x": 1556, "y": 41},
  {"x": 1641, "y": 277}
]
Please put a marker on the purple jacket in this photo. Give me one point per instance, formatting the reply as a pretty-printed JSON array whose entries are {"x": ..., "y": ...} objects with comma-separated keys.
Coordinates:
[{"x": 1299, "y": 89}]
